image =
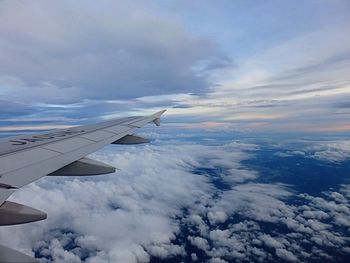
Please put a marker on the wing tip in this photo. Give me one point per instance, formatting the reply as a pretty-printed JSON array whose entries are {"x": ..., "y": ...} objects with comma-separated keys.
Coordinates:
[
  {"x": 159, "y": 113},
  {"x": 156, "y": 117}
]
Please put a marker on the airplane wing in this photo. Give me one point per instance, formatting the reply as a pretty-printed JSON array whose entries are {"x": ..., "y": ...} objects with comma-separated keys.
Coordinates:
[{"x": 27, "y": 158}]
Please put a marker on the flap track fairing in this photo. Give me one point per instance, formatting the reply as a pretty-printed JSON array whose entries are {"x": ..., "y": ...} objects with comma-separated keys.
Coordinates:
[
  {"x": 84, "y": 167},
  {"x": 13, "y": 214},
  {"x": 131, "y": 139}
]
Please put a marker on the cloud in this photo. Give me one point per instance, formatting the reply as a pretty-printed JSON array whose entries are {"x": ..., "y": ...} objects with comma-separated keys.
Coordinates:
[
  {"x": 270, "y": 241},
  {"x": 177, "y": 198},
  {"x": 84, "y": 60},
  {"x": 10, "y": 108},
  {"x": 199, "y": 242},
  {"x": 280, "y": 91},
  {"x": 258, "y": 201},
  {"x": 332, "y": 151},
  {"x": 337, "y": 151},
  {"x": 342, "y": 105},
  {"x": 286, "y": 255},
  {"x": 126, "y": 217},
  {"x": 247, "y": 235},
  {"x": 63, "y": 52}
]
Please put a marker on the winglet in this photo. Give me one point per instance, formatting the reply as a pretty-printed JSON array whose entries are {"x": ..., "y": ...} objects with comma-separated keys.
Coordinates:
[{"x": 156, "y": 117}]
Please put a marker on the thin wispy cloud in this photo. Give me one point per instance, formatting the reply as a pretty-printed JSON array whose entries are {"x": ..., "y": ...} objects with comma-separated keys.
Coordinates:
[
  {"x": 91, "y": 60},
  {"x": 226, "y": 70},
  {"x": 101, "y": 50}
]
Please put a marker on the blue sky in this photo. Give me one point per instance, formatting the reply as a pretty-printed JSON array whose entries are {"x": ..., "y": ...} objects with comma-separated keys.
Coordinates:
[
  {"x": 225, "y": 71},
  {"x": 250, "y": 65}
]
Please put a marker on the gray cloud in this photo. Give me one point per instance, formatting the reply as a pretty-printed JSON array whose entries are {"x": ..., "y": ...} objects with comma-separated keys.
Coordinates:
[
  {"x": 342, "y": 105},
  {"x": 10, "y": 108},
  {"x": 61, "y": 52}
]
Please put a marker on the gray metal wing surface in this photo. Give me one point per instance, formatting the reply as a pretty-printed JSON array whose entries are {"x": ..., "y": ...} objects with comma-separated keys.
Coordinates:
[{"x": 27, "y": 158}]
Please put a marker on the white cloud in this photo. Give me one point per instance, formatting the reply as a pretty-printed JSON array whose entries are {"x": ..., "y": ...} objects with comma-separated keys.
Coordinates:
[
  {"x": 199, "y": 242},
  {"x": 336, "y": 151},
  {"x": 270, "y": 241},
  {"x": 127, "y": 216},
  {"x": 286, "y": 255},
  {"x": 139, "y": 212},
  {"x": 217, "y": 217},
  {"x": 217, "y": 260},
  {"x": 259, "y": 201},
  {"x": 194, "y": 257}
]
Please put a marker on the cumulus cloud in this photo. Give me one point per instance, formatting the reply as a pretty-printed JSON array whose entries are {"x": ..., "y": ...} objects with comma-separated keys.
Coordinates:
[
  {"x": 174, "y": 201},
  {"x": 337, "y": 151},
  {"x": 286, "y": 232},
  {"x": 286, "y": 255},
  {"x": 331, "y": 151},
  {"x": 129, "y": 216}
]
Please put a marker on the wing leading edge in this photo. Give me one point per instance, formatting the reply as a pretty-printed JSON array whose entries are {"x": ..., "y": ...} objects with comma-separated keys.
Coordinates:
[{"x": 25, "y": 159}]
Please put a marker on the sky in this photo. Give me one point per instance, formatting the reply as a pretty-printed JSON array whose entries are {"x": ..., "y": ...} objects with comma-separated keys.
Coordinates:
[
  {"x": 223, "y": 180},
  {"x": 244, "y": 65}
]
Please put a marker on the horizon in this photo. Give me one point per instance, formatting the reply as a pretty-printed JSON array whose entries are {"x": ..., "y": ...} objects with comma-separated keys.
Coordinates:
[{"x": 250, "y": 164}]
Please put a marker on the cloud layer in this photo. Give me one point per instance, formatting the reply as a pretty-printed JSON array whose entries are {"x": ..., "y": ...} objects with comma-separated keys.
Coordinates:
[
  {"x": 90, "y": 60},
  {"x": 168, "y": 200},
  {"x": 62, "y": 52}
]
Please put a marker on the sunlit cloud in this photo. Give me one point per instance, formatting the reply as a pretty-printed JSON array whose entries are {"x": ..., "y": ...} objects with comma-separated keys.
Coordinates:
[{"x": 255, "y": 116}]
